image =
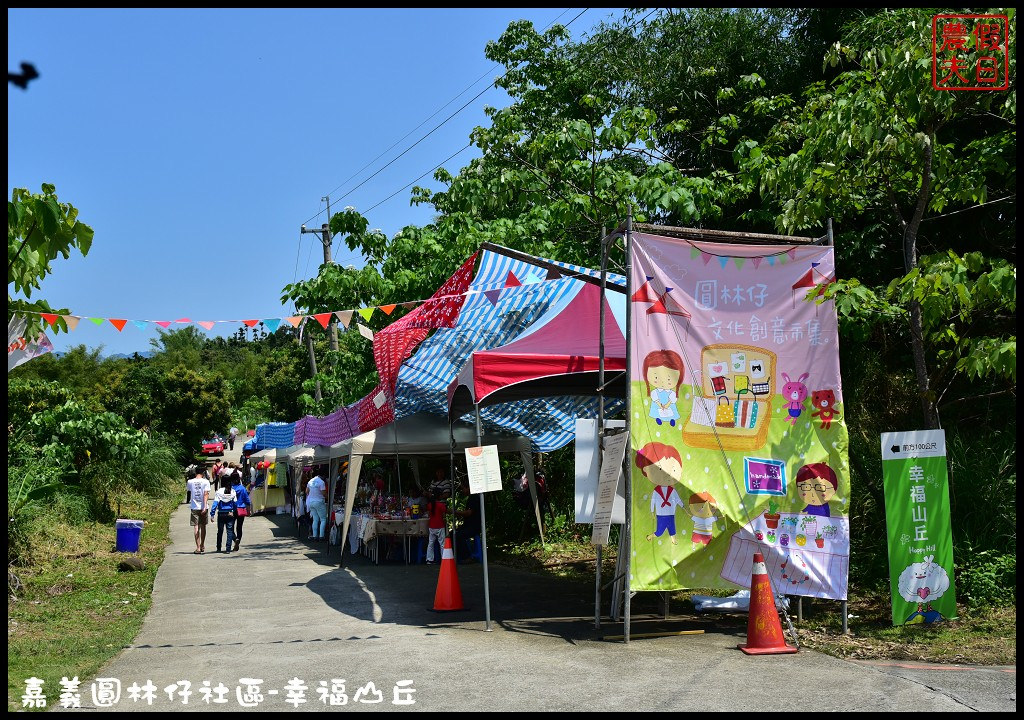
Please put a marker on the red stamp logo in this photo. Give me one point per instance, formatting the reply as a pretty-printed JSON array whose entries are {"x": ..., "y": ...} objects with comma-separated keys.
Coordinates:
[{"x": 970, "y": 52}]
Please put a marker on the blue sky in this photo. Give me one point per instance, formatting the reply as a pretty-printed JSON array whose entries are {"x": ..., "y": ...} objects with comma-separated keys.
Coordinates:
[{"x": 196, "y": 142}]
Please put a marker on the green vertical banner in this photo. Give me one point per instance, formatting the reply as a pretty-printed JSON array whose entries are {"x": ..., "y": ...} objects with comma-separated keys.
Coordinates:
[{"x": 917, "y": 519}]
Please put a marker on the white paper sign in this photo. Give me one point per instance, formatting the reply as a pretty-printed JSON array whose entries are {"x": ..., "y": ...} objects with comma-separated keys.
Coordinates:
[
  {"x": 614, "y": 449},
  {"x": 483, "y": 468}
]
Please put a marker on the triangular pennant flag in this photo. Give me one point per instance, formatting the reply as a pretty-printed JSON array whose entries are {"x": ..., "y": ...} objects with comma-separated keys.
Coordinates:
[
  {"x": 511, "y": 280},
  {"x": 792, "y": 253},
  {"x": 119, "y": 324},
  {"x": 705, "y": 257},
  {"x": 756, "y": 261},
  {"x": 97, "y": 321},
  {"x": 723, "y": 261},
  {"x": 251, "y": 323},
  {"x": 71, "y": 320},
  {"x": 208, "y": 324},
  {"x": 50, "y": 318},
  {"x": 553, "y": 274},
  {"x": 323, "y": 319},
  {"x": 771, "y": 260},
  {"x": 646, "y": 292},
  {"x": 531, "y": 279},
  {"x": 365, "y": 331},
  {"x": 367, "y": 312},
  {"x": 492, "y": 296},
  {"x": 344, "y": 317},
  {"x": 411, "y": 303},
  {"x": 295, "y": 320},
  {"x": 272, "y": 324},
  {"x": 815, "y": 264},
  {"x": 694, "y": 252},
  {"x": 140, "y": 324},
  {"x": 163, "y": 323},
  {"x": 388, "y": 309},
  {"x": 182, "y": 320},
  {"x": 739, "y": 262},
  {"x": 782, "y": 259}
]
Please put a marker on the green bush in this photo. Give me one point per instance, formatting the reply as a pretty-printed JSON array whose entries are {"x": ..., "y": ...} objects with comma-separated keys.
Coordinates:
[{"x": 987, "y": 579}]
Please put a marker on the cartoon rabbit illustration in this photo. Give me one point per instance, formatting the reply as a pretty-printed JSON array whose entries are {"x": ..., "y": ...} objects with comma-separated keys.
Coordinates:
[{"x": 794, "y": 392}]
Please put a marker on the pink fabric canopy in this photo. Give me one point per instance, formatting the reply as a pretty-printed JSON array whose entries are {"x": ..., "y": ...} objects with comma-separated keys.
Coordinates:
[{"x": 560, "y": 357}]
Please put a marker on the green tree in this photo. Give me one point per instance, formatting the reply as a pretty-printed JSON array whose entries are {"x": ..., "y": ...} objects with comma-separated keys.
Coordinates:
[
  {"x": 39, "y": 228},
  {"x": 879, "y": 142},
  {"x": 193, "y": 405}
]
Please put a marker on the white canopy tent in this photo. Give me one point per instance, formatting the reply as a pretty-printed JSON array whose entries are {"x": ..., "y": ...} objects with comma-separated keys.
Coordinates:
[{"x": 419, "y": 435}]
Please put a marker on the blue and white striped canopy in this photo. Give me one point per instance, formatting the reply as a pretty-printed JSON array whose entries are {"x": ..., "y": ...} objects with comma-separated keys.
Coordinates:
[{"x": 424, "y": 377}]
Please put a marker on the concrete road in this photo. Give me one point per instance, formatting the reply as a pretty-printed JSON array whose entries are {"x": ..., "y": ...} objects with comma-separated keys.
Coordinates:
[{"x": 282, "y": 612}]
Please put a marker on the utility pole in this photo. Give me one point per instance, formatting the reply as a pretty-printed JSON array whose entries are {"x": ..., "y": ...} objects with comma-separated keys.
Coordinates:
[{"x": 324, "y": 233}]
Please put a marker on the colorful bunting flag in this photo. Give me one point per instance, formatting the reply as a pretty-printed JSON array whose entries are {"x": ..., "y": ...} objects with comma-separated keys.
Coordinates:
[
  {"x": 739, "y": 262},
  {"x": 694, "y": 252},
  {"x": 553, "y": 274},
  {"x": 492, "y": 296},
  {"x": 295, "y": 320},
  {"x": 208, "y": 324},
  {"x": 323, "y": 319},
  {"x": 388, "y": 309},
  {"x": 792, "y": 253},
  {"x": 272, "y": 324},
  {"x": 367, "y": 312},
  {"x": 140, "y": 324},
  {"x": 72, "y": 321},
  {"x": 705, "y": 258},
  {"x": 182, "y": 320},
  {"x": 119, "y": 324},
  {"x": 365, "y": 331},
  {"x": 163, "y": 323},
  {"x": 771, "y": 260},
  {"x": 251, "y": 323},
  {"x": 97, "y": 321},
  {"x": 50, "y": 318},
  {"x": 511, "y": 280},
  {"x": 723, "y": 261},
  {"x": 756, "y": 261},
  {"x": 344, "y": 317}
]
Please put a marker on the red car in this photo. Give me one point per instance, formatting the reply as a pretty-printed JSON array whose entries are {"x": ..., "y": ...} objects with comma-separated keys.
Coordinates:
[{"x": 214, "y": 446}]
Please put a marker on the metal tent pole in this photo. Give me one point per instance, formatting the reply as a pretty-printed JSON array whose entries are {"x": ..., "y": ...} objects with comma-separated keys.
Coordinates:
[
  {"x": 629, "y": 415},
  {"x": 600, "y": 416},
  {"x": 483, "y": 534}
]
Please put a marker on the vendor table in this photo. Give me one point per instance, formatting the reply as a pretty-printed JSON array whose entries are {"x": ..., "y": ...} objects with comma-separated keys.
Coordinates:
[{"x": 366, "y": 531}]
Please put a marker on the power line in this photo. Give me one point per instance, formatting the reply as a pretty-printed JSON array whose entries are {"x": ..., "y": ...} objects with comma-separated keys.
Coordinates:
[
  {"x": 631, "y": 27},
  {"x": 438, "y": 126}
]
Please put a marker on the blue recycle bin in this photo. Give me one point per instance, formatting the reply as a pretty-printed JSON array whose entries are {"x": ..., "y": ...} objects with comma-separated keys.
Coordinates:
[{"x": 129, "y": 532}]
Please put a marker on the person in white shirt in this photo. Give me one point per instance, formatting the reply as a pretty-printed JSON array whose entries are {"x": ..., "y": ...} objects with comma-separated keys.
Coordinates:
[
  {"x": 316, "y": 503},
  {"x": 199, "y": 496}
]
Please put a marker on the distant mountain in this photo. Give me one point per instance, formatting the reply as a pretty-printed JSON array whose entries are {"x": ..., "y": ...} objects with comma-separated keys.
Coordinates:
[{"x": 129, "y": 356}]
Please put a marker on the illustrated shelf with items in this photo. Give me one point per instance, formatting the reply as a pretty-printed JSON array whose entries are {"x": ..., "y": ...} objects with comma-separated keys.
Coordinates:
[{"x": 732, "y": 400}]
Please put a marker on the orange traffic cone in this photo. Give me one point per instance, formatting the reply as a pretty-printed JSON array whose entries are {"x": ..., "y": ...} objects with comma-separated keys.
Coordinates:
[
  {"x": 448, "y": 596},
  {"x": 764, "y": 631}
]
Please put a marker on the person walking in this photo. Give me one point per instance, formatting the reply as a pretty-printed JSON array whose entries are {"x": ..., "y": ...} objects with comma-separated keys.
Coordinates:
[
  {"x": 224, "y": 504},
  {"x": 232, "y": 434},
  {"x": 243, "y": 506},
  {"x": 316, "y": 504},
  {"x": 199, "y": 497},
  {"x": 436, "y": 509},
  {"x": 471, "y": 527}
]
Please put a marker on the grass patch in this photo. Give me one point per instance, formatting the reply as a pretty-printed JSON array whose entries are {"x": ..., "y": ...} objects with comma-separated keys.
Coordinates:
[
  {"x": 74, "y": 611},
  {"x": 981, "y": 635}
]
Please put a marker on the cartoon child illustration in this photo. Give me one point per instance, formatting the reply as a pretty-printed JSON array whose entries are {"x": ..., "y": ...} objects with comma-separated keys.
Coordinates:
[
  {"x": 702, "y": 509},
  {"x": 824, "y": 402},
  {"x": 663, "y": 466},
  {"x": 923, "y": 582},
  {"x": 663, "y": 372},
  {"x": 816, "y": 484}
]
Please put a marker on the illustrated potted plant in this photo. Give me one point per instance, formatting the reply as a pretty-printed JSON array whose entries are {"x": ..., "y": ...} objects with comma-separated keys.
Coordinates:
[
  {"x": 771, "y": 518},
  {"x": 819, "y": 540},
  {"x": 801, "y": 539},
  {"x": 759, "y": 535},
  {"x": 771, "y": 536},
  {"x": 784, "y": 540}
]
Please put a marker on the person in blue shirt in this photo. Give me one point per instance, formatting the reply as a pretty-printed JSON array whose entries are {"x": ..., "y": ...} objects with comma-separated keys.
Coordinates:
[
  {"x": 243, "y": 506},
  {"x": 223, "y": 509}
]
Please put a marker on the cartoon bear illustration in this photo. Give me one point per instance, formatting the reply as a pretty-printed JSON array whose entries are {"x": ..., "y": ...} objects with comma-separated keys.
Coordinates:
[{"x": 824, "y": 402}]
